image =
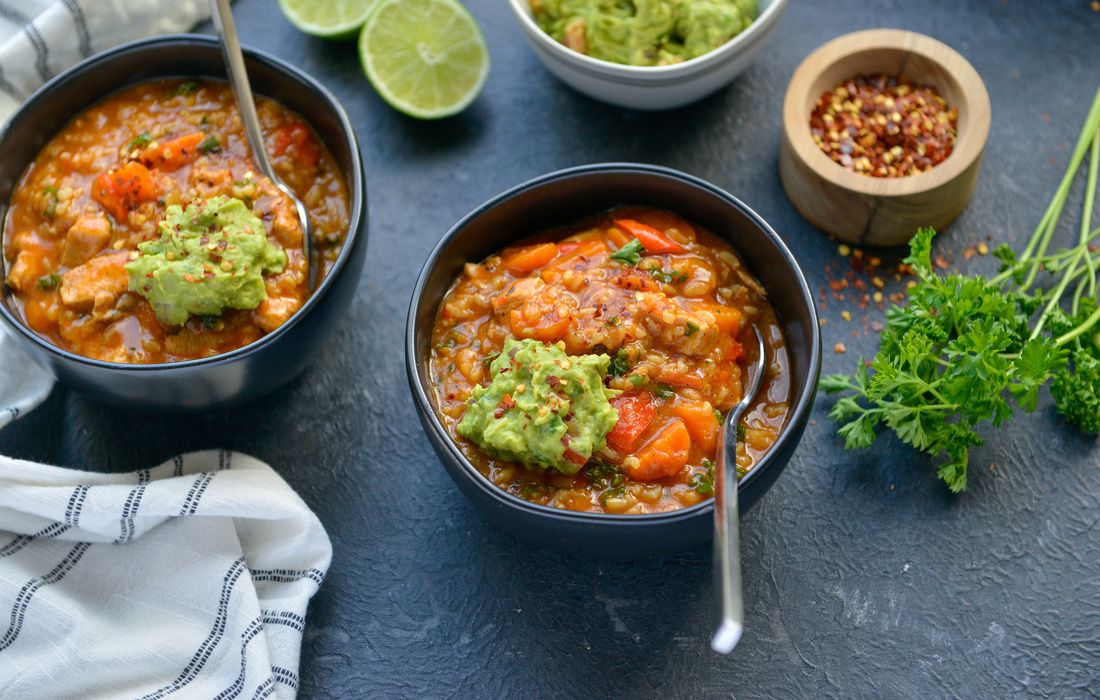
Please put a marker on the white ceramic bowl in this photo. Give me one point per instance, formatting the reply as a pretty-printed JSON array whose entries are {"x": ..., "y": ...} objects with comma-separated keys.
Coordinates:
[{"x": 651, "y": 87}]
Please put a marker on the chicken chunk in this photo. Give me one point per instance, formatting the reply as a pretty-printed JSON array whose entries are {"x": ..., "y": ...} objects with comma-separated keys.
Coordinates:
[
  {"x": 286, "y": 226},
  {"x": 274, "y": 311},
  {"x": 210, "y": 182},
  {"x": 96, "y": 285},
  {"x": 87, "y": 236},
  {"x": 690, "y": 332},
  {"x": 24, "y": 272},
  {"x": 534, "y": 309}
]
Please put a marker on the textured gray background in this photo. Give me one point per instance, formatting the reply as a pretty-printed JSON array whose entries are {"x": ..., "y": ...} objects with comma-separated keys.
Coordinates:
[{"x": 863, "y": 576}]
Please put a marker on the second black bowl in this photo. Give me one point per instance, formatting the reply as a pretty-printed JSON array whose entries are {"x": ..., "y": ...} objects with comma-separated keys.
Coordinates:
[{"x": 560, "y": 198}]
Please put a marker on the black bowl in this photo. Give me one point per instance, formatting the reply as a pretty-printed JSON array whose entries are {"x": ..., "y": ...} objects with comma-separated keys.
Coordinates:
[
  {"x": 254, "y": 369},
  {"x": 563, "y": 197}
]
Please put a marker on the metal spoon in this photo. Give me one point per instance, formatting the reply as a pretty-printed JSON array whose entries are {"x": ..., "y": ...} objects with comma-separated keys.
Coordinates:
[
  {"x": 242, "y": 90},
  {"x": 727, "y": 536}
]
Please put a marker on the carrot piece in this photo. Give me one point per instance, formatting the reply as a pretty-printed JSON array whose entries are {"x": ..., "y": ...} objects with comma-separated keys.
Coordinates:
[
  {"x": 700, "y": 420},
  {"x": 296, "y": 139},
  {"x": 119, "y": 191},
  {"x": 727, "y": 318},
  {"x": 135, "y": 182},
  {"x": 618, "y": 237},
  {"x": 651, "y": 239},
  {"x": 35, "y": 311},
  {"x": 636, "y": 411},
  {"x": 107, "y": 195},
  {"x": 173, "y": 155},
  {"x": 692, "y": 381},
  {"x": 663, "y": 456},
  {"x": 574, "y": 457},
  {"x": 554, "y": 270},
  {"x": 585, "y": 248},
  {"x": 539, "y": 322},
  {"x": 735, "y": 351},
  {"x": 662, "y": 221},
  {"x": 524, "y": 261}
]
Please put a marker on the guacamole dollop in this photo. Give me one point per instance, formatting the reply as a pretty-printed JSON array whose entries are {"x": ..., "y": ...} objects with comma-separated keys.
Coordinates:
[
  {"x": 644, "y": 32},
  {"x": 543, "y": 408},
  {"x": 209, "y": 257}
]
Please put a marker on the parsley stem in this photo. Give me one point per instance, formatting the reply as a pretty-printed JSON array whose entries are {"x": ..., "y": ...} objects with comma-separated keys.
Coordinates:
[
  {"x": 884, "y": 404},
  {"x": 1077, "y": 294},
  {"x": 1046, "y": 262},
  {"x": 1090, "y": 200},
  {"x": 1083, "y": 247},
  {"x": 1040, "y": 240},
  {"x": 1056, "y": 295},
  {"x": 1091, "y": 321}
]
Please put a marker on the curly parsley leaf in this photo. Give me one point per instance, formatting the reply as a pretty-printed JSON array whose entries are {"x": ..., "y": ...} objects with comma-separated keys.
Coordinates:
[
  {"x": 703, "y": 482},
  {"x": 631, "y": 253},
  {"x": 662, "y": 391},
  {"x": 210, "y": 144},
  {"x": 620, "y": 364},
  {"x": 140, "y": 141},
  {"x": 603, "y": 475},
  {"x": 958, "y": 356}
]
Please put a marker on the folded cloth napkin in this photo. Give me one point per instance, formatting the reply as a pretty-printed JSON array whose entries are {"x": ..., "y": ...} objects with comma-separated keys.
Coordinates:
[
  {"x": 41, "y": 38},
  {"x": 190, "y": 579}
]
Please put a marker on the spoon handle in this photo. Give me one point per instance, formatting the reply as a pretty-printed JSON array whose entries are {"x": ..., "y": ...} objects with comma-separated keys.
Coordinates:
[
  {"x": 238, "y": 80},
  {"x": 246, "y": 105},
  {"x": 727, "y": 541}
]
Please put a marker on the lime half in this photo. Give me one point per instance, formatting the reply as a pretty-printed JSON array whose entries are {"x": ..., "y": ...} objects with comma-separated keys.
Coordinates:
[
  {"x": 331, "y": 19},
  {"x": 426, "y": 58}
]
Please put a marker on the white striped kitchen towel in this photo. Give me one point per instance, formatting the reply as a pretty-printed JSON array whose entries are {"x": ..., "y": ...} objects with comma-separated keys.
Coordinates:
[
  {"x": 41, "y": 38},
  {"x": 187, "y": 580}
]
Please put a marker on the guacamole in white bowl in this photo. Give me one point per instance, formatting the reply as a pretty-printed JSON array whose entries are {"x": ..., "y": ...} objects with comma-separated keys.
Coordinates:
[{"x": 644, "y": 32}]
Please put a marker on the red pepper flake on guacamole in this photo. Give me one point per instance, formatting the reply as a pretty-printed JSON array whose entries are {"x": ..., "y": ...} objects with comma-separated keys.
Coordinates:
[
  {"x": 543, "y": 407},
  {"x": 209, "y": 257}
]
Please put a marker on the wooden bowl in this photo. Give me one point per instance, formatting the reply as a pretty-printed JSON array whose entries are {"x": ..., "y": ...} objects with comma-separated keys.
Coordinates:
[{"x": 882, "y": 211}]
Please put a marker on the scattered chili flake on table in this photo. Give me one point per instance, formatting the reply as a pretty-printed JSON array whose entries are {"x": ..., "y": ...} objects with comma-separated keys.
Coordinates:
[{"x": 884, "y": 127}]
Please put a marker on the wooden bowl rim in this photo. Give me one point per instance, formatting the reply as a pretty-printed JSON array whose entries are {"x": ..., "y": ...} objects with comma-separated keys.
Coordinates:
[{"x": 968, "y": 149}]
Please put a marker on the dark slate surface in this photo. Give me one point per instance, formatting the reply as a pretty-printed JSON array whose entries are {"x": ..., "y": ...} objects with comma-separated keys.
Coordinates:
[{"x": 863, "y": 576}]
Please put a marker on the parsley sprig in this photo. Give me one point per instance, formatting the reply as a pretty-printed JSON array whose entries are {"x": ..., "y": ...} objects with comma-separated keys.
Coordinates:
[
  {"x": 630, "y": 254},
  {"x": 968, "y": 350}
]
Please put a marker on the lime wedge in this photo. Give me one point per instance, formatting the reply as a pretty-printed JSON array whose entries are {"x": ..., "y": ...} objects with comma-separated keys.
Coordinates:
[
  {"x": 426, "y": 58},
  {"x": 331, "y": 19}
]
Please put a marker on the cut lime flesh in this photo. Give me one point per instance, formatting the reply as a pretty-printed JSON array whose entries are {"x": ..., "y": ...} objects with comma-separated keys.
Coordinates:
[
  {"x": 331, "y": 19},
  {"x": 426, "y": 58}
]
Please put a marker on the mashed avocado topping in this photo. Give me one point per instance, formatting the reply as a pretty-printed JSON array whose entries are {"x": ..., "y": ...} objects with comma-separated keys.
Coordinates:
[
  {"x": 209, "y": 257},
  {"x": 543, "y": 407},
  {"x": 644, "y": 32}
]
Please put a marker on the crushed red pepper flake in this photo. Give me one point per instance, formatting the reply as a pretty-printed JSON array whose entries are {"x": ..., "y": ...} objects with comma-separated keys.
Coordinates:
[{"x": 882, "y": 126}]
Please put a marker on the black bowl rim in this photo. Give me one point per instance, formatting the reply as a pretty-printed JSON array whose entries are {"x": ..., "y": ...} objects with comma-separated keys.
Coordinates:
[
  {"x": 354, "y": 177},
  {"x": 802, "y": 406}
]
